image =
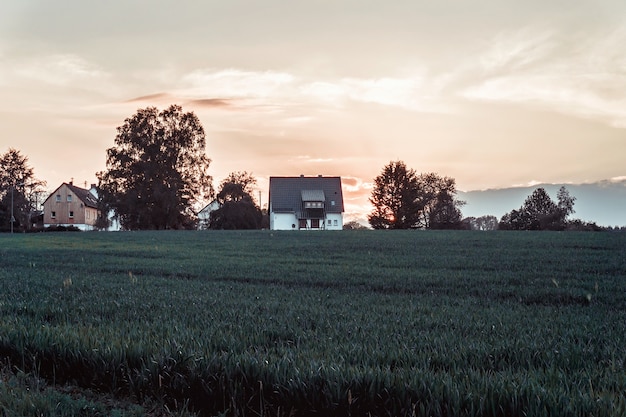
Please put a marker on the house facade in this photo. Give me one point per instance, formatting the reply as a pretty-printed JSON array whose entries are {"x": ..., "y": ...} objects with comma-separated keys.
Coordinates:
[
  {"x": 70, "y": 205},
  {"x": 204, "y": 215},
  {"x": 305, "y": 203}
]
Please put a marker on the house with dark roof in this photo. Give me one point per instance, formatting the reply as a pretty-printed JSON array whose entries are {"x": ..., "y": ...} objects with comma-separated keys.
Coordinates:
[
  {"x": 204, "y": 215},
  {"x": 70, "y": 205},
  {"x": 305, "y": 203}
]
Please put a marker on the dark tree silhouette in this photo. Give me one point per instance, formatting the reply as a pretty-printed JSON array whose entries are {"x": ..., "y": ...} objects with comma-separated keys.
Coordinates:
[
  {"x": 440, "y": 208},
  {"x": 354, "y": 225},
  {"x": 157, "y": 171},
  {"x": 20, "y": 191},
  {"x": 540, "y": 212},
  {"x": 238, "y": 209},
  {"x": 394, "y": 198},
  {"x": 487, "y": 222},
  {"x": 404, "y": 200}
]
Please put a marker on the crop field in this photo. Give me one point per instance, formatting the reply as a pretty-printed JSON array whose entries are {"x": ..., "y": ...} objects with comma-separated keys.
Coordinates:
[{"x": 350, "y": 323}]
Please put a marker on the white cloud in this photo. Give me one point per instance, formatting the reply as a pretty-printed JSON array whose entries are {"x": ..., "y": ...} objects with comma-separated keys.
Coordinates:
[
  {"x": 514, "y": 50},
  {"x": 585, "y": 79},
  {"x": 59, "y": 69},
  {"x": 281, "y": 88},
  {"x": 238, "y": 84}
]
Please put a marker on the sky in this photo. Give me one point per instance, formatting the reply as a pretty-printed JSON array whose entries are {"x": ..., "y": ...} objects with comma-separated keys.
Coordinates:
[{"x": 494, "y": 93}]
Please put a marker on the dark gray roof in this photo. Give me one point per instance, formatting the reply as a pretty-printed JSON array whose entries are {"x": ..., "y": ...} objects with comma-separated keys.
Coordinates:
[
  {"x": 287, "y": 193},
  {"x": 84, "y": 195},
  {"x": 313, "y": 195}
]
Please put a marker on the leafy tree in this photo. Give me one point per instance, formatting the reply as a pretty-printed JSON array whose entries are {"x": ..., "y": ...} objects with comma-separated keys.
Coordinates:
[
  {"x": 238, "y": 209},
  {"x": 157, "y": 171},
  {"x": 540, "y": 212},
  {"x": 404, "y": 200},
  {"x": 440, "y": 208},
  {"x": 354, "y": 225},
  {"x": 481, "y": 223},
  {"x": 20, "y": 191},
  {"x": 395, "y": 198},
  {"x": 565, "y": 205}
]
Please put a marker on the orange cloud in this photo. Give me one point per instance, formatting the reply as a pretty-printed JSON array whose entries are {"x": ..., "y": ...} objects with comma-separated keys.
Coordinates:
[
  {"x": 212, "y": 102},
  {"x": 150, "y": 97}
]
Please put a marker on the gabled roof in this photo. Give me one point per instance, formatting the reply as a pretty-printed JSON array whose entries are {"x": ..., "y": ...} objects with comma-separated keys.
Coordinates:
[
  {"x": 82, "y": 194},
  {"x": 288, "y": 193},
  {"x": 212, "y": 206}
]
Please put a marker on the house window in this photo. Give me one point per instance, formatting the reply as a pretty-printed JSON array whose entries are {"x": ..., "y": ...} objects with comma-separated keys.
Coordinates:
[
  {"x": 71, "y": 214},
  {"x": 302, "y": 223},
  {"x": 315, "y": 223},
  {"x": 69, "y": 197},
  {"x": 58, "y": 197},
  {"x": 53, "y": 214},
  {"x": 329, "y": 222},
  {"x": 313, "y": 204},
  {"x": 334, "y": 222}
]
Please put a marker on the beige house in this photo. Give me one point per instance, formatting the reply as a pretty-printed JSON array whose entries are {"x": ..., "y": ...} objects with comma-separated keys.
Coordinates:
[{"x": 70, "y": 205}]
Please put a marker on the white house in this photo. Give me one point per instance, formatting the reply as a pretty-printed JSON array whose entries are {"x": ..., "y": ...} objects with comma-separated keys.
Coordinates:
[
  {"x": 305, "y": 203},
  {"x": 204, "y": 215}
]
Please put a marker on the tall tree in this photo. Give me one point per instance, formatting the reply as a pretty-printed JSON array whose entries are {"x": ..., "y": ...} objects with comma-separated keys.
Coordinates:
[
  {"x": 157, "y": 172},
  {"x": 540, "y": 212},
  {"x": 402, "y": 200},
  {"x": 565, "y": 205},
  {"x": 439, "y": 207},
  {"x": 238, "y": 209},
  {"x": 20, "y": 191},
  {"x": 394, "y": 198}
]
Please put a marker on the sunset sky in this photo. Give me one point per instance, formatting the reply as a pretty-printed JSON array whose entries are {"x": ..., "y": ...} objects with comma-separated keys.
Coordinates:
[{"x": 494, "y": 93}]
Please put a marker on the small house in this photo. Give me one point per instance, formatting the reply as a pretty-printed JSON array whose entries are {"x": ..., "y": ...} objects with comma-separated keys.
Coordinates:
[
  {"x": 305, "y": 203},
  {"x": 70, "y": 205},
  {"x": 204, "y": 215}
]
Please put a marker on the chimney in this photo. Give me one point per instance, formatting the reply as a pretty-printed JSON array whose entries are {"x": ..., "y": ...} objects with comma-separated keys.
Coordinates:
[{"x": 319, "y": 176}]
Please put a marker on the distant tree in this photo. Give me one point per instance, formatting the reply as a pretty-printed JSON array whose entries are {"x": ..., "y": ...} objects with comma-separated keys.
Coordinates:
[
  {"x": 441, "y": 210},
  {"x": 404, "y": 200},
  {"x": 354, "y": 225},
  {"x": 157, "y": 172},
  {"x": 539, "y": 212},
  {"x": 394, "y": 198},
  {"x": 582, "y": 226},
  {"x": 238, "y": 209},
  {"x": 481, "y": 223},
  {"x": 20, "y": 191},
  {"x": 565, "y": 206}
]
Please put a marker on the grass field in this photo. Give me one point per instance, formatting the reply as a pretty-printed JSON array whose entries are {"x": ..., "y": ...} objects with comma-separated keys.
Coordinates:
[{"x": 345, "y": 323}]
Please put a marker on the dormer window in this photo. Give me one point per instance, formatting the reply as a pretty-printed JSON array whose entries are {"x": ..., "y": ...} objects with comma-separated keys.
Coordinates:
[{"x": 313, "y": 204}]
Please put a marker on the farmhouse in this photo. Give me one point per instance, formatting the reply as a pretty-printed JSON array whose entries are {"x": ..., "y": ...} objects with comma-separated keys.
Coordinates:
[
  {"x": 70, "y": 205},
  {"x": 204, "y": 215},
  {"x": 305, "y": 203}
]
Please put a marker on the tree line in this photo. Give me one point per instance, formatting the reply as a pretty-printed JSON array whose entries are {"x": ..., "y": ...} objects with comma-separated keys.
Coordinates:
[
  {"x": 157, "y": 173},
  {"x": 403, "y": 199}
]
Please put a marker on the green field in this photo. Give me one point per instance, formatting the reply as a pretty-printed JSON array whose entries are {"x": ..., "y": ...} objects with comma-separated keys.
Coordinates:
[{"x": 260, "y": 323}]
